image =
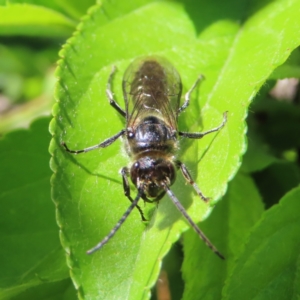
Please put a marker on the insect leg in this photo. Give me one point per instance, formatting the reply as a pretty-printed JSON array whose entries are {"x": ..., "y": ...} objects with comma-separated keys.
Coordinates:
[
  {"x": 199, "y": 135},
  {"x": 188, "y": 94},
  {"x": 126, "y": 188},
  {"x": 191, "y": 222},
  {"x": 190, "y": 180},
  {"x": 104, "y": 144},
  {"x": 118, "y": 225},
  {"x": 110, "y": 96}
]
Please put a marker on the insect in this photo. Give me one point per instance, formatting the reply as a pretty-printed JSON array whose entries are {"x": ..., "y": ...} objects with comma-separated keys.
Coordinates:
[{"x": 152, "y": 90}]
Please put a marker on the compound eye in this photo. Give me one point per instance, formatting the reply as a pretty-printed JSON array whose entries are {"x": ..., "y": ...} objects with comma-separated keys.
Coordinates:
[{"x": 136, "y": 165}]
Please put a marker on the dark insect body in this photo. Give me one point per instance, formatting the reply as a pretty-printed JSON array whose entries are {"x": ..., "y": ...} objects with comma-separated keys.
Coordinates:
[{"x": 152, "y": 91}]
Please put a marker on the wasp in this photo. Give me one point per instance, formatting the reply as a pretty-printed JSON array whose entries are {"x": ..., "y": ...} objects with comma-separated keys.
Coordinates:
[{"x": 152, "y": 91}]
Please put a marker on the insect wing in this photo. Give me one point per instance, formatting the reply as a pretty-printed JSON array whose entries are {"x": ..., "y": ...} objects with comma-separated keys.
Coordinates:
[{"x": 152, "y": 86}]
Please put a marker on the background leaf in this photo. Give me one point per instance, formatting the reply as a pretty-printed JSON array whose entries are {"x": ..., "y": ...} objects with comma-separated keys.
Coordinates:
[
  {"x": 32, "y": 20},
  {"x": 270, "y": 258},
  {"x": 74, "y": 9},
  {"x": 30, "y": 252}
]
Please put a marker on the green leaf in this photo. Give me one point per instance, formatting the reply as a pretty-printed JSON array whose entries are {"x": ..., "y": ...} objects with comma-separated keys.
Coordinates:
[
  {"x": 32, "y": 20},
  {"x": 30, "y": 252},
  {"x": 257, "y": 157},
  {"x": 59, "y": 290},
  {"x": 270, "y": 258},
  {"x": 87, "y": 188},
  {"x": 74, "y": 9},
  {"x": 227, "y": 227}
]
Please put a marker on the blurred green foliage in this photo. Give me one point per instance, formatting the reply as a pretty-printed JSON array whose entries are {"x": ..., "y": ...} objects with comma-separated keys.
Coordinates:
[{"x": 243, "y": 49}]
